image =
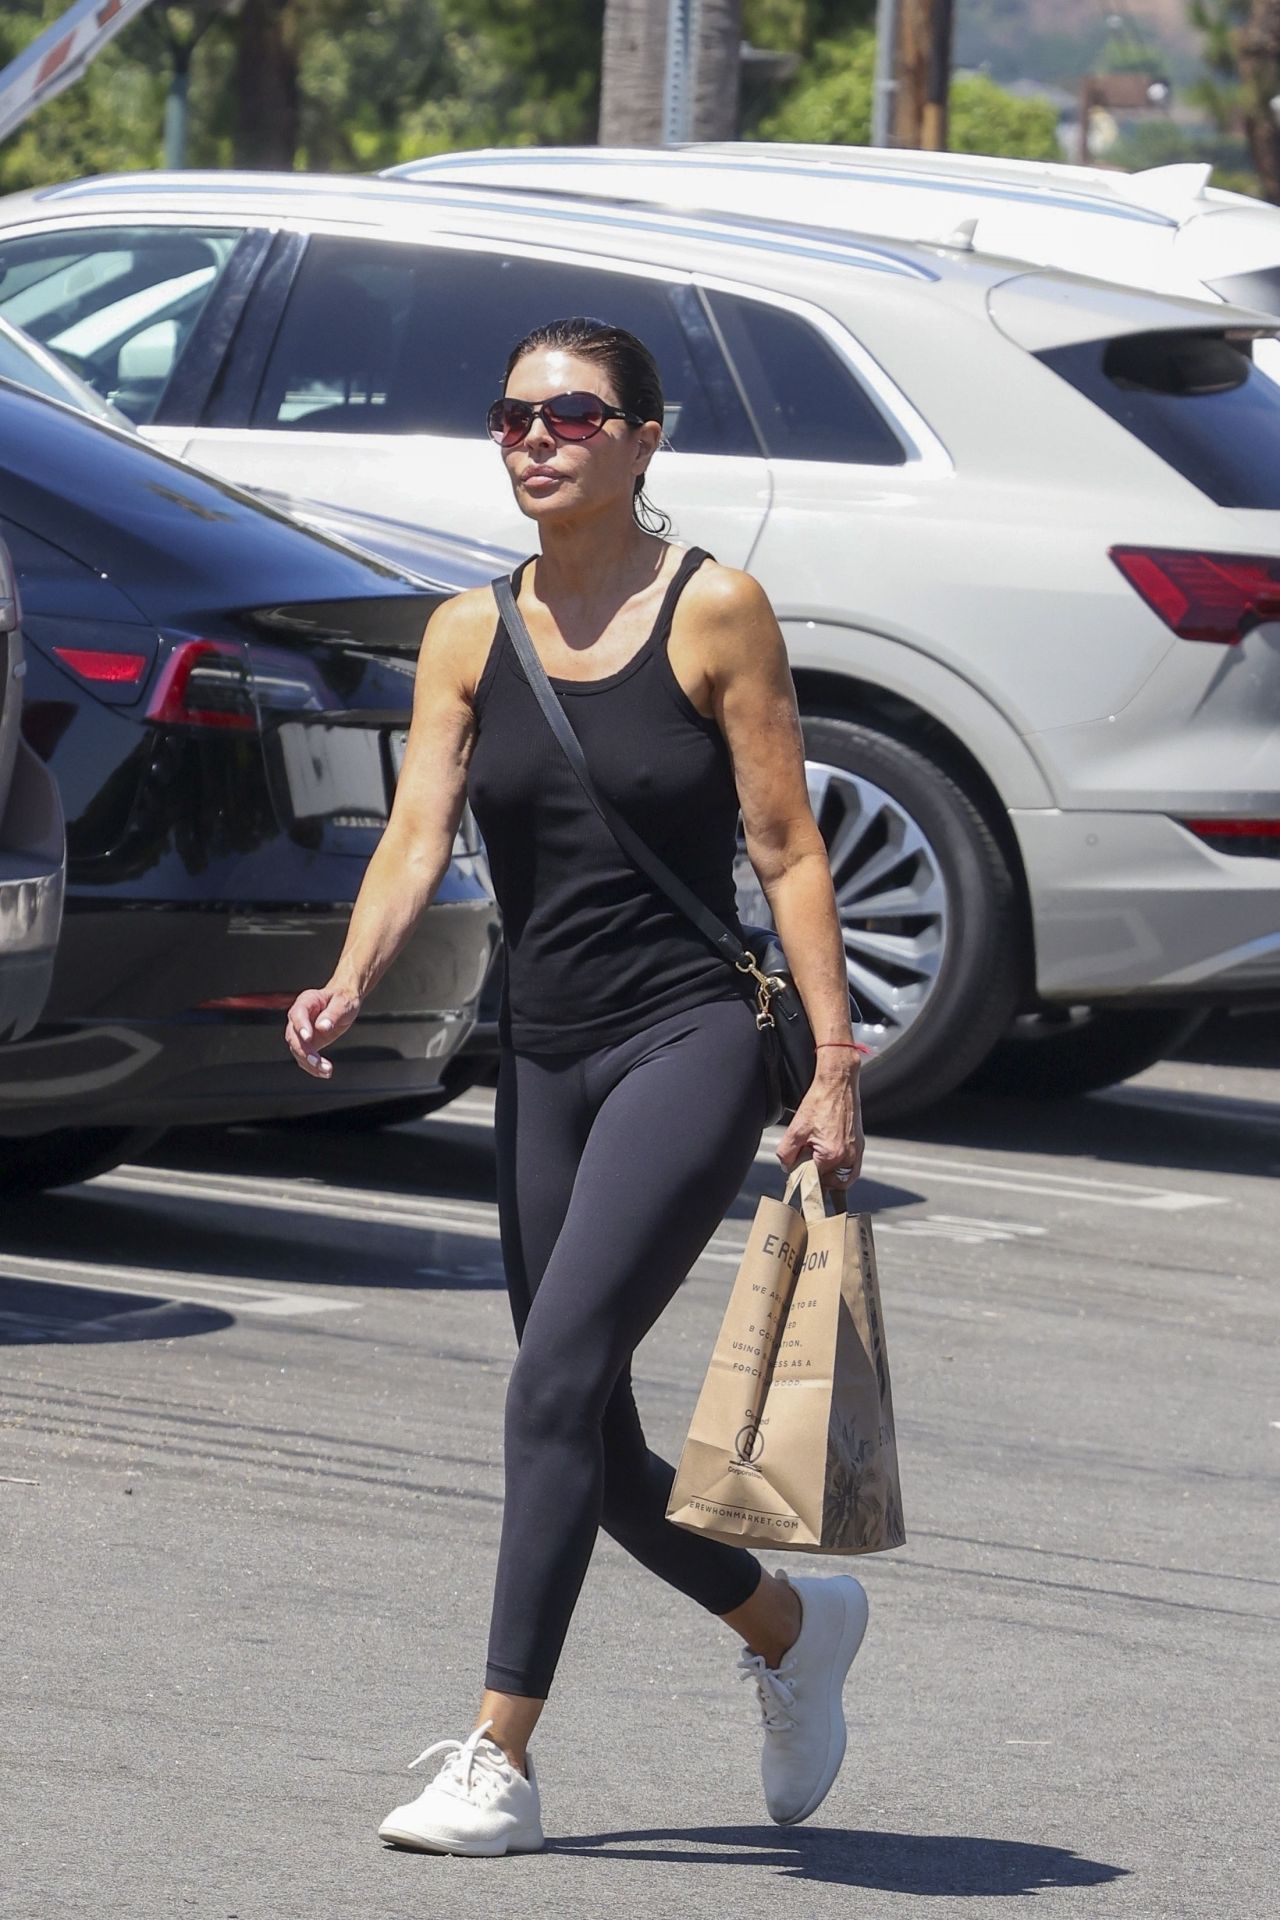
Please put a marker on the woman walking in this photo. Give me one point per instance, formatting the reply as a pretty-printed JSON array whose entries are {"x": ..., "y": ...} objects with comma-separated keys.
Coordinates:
[{"x": 632, "y": 1089}]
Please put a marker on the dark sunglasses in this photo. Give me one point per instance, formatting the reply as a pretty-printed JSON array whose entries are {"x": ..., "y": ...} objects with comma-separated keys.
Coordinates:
[{"x": 568, "y": 416}]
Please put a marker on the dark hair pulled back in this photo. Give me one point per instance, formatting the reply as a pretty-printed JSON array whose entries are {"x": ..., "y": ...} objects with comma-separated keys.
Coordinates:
[{"x": 633, "y": 374}]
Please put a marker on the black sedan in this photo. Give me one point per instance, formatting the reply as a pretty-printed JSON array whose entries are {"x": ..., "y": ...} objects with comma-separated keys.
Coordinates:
[
  {"x": 222, "y": 696},
  {"x": 32, "y": 848}
]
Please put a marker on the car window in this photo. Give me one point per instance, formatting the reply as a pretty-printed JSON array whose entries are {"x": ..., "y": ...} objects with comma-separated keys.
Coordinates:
[
  {"x": 28, "y": 365},
  {"x": 380, "y": 338},
  {"x": 115, "y": 304},
  {"x": 1196, "y": 399},
  {"x": 809, "y": 404}
]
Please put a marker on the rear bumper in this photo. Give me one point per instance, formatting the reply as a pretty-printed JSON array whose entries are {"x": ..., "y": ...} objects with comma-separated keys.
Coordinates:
[
  {"x": 32, "y": 885},
  {"x": 1133, "y": 907},
  {"x": 484, "y": 1041},
  {"x": 128, "y": 1039},
  {"x": 24, "y": 987},
  {"x": 146, "y": 1074}
]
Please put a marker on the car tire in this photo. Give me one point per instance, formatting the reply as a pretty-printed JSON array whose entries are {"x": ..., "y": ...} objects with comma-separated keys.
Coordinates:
[
  {"x": 951, "y": 999},
  {"x": 68, "y": 1155},
  {"x": 1060, "y": 1055}
]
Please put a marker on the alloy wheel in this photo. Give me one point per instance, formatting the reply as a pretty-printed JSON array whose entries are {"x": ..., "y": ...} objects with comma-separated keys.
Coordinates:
[{"x": 890, "y": 896}]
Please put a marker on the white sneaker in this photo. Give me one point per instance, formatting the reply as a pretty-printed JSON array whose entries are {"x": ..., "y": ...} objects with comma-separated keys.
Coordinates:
[
  {"x": 800, "y": 1698},
  {"x": 478, "y": 1803}
]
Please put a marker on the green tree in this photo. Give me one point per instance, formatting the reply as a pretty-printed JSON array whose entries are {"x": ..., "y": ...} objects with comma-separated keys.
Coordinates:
[
  {"x": 519, "y": 73},
  {"x": 329, "y": 84},
  {"x": 111, "y": 120},
  {"x": 798, "y": 26},
  {"x": 1241, "y": 41},
  {"x": 830, "y": 101},
  {"x": 1163, "y": 143},
  {"x": 986, "y": 119}
]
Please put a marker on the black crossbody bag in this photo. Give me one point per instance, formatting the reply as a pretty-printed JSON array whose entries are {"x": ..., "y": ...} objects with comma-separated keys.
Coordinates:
[{"x": 790, "y": 1053}]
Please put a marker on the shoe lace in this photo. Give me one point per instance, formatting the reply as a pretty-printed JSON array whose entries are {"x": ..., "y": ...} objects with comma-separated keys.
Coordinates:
[
  {"x": 474, "y": 1764},
  {"x": 774, "y": 1690}
]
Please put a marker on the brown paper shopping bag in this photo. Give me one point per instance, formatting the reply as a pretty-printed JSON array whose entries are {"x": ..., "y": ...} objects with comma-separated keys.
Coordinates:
[{"x": 792, "y": 1440}]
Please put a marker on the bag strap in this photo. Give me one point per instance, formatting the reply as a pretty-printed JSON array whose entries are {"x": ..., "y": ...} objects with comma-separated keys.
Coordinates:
[
  {"x": 804, "y": 1180},
  {"x": 641, "y": 856}
]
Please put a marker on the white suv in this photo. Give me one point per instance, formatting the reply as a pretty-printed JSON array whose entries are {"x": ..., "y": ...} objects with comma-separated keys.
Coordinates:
[
  {"x": 1022, "y": 532},
  {"x": 1165, "y": 229}
]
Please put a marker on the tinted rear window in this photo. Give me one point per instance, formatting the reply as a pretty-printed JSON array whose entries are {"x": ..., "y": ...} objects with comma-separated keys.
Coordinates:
[
  {"x": 1196, "y": 399},
  {"x": 808, "y": 402}
]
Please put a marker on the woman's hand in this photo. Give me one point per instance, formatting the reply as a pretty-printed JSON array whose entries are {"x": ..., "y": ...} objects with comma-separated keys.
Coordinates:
[
  {"x": 828, "y": 1125},
  {"x": 316, "y": 1018}
]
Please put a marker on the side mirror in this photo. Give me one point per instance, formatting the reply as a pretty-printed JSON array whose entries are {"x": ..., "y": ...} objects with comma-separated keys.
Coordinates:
[{"x": 10, "y": 611}]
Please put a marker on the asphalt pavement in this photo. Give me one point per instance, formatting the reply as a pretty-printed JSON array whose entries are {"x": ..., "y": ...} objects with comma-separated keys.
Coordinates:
[{"x": 250, "y": 1491}]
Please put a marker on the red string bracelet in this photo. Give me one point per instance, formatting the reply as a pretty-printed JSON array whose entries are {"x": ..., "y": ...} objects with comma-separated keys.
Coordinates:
[{"x": 852, "y": 1046}]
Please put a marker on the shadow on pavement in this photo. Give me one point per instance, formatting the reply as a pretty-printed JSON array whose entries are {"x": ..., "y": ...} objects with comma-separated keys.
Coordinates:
[
  {"x": 1235, "y": 1040},
  {"x": 1133, "y": 1125},
  {"x": 431, "y": 1158},
  {"x": 37, "y": 1314},
  {"x": 187, "y": 1233},
  {"x": 963, "y": 1865},
  {"x": 425, "y": 1159}
]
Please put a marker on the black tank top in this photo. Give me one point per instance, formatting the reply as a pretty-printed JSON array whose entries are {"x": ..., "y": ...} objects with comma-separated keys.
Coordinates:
[{"x": 595, "y": 952}]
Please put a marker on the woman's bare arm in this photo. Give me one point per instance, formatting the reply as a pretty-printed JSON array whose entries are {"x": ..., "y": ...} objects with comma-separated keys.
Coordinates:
[
  {"x": 414, "y": 853},
  {"x": 754, "y": 701}
]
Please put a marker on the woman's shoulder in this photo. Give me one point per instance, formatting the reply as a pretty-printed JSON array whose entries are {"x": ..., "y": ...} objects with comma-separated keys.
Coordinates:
[
  {"x": 718, "y": 593},
  {"x": 730, "y": 614},
  {"x": 459, "y": 636}
]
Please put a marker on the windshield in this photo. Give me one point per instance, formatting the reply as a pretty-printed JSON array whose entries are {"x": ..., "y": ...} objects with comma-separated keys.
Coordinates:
[
  {"x": 116, "y": 305},
  {"x": 27, "y": 365}
]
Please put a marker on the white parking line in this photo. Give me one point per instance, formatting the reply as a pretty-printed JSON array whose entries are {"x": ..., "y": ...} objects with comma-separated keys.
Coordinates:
[
  {"x": 199, "y": 1289},
  {"x": 1085, "y": 1189},
  {"x": 366, "y": 1206},
  {"x": 479, "y": 1219},
  {"x": 468, "y": 1112}
]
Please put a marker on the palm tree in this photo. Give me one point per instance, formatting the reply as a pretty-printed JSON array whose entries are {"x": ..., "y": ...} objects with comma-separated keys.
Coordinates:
[
  {"x": 631, "y": 78},
  {"x": 633, "y": 85},
  {"x": 719, "y": 66}
]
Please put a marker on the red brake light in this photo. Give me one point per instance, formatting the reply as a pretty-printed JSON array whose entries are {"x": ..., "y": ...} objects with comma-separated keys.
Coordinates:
[
  {"x": 1204, "y": 596},
  {"x": 1259, "y": 839},
  {"x": 249, "y": 1003},
  {"x": 94, "y": 663},
  {"x": 205, "y": 683}
]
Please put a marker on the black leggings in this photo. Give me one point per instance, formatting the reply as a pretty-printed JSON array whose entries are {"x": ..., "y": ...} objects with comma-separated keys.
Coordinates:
[{"x": 614, "y": 1169}]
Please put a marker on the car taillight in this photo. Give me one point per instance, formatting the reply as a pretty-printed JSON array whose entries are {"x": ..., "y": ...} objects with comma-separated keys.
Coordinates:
[
  {"x": 1204, "y": 596},
  {"x": 103, "y": 667},
  {"x": 249, "y": 1003},
  {"x": 1256, "y": 839},
  {"x": 205, "y": 683}
]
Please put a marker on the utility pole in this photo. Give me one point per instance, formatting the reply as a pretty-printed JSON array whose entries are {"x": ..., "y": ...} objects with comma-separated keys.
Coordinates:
[
  {"x": 669, "y": 71},
  {"x": 938, "y": 76},
  {"x": 925, "y": 33}
]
